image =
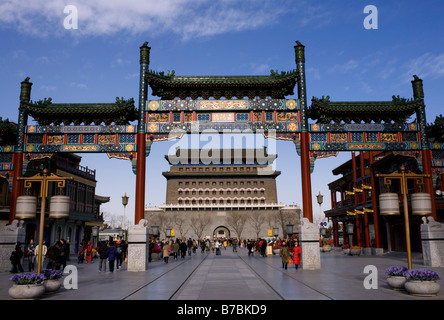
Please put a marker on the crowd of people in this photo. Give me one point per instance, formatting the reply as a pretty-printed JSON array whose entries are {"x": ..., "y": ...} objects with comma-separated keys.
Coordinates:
[
  {"x": 54, "y": 257},
  {"x": 111, "y": 253},
  {"x": 290, "y": 251},
  {"x": 114, "y": 253}
]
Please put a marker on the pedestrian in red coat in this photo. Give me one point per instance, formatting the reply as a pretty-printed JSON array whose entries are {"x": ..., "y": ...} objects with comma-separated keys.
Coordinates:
[{"x": 296, "y": 255}]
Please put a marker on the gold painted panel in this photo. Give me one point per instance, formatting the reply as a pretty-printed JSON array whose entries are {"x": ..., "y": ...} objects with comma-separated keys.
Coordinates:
[{"x": 222, "y": 117}]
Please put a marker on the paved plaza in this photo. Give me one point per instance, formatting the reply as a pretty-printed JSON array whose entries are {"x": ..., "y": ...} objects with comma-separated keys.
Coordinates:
[{"x": 237, "y": 276}]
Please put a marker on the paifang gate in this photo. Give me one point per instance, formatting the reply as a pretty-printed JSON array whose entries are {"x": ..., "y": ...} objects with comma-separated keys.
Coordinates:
[{"x": 197, "y": 103}]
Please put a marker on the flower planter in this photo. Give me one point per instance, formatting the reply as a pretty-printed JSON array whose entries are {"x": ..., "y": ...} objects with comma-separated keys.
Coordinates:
[
  {"x": 276, "y": 251},
  {"x": 355, "y": 252},
  {"x": 26, "y": 291},
  {"x": 396, "y": 282},
  {"x": 346, "y": 251},
  {"x": 326, "y": 248},
  {"x": 422, "y": 288},
  {"x": 52, "y": 285}
]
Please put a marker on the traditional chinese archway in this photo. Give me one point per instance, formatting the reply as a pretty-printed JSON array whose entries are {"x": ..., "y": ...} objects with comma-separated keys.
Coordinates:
[{"x": 194, "y": 104}]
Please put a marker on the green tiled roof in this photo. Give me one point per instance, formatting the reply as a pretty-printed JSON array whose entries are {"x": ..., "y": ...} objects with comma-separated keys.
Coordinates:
[
  {"x": 398, "y": 110},
  {"x": 276, "y": 85},
  {"x": 45, "y": 112}
]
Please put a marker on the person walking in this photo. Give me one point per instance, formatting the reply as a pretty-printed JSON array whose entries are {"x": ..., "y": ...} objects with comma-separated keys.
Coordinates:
[
  {"x": 44, "y": 252},
  {"x": 120, "y": 254},
  {"x": 111, "y": 254},
  {"x": 234, "y": 244},
  {"x": 16, "y": 258},
  {"x": 202, "y": 246},
  {"x": 296, "y": 255},
  {"x": 81, "y": 254},
  {"x": 263, "y": 248},
  {"x": 166, "y": 252},
  {"x": 250, "y": 247},
  {"x": 54, "y": 256},
  {"x": 285, "y": 255},
  {"x": 189, "y": 246},
  {"x": 175, "y": 249},
  {"x": 103, "y": 250},
  {"x": 89, "y": 253},
  {"x": 64, "y": 252},
  {"x": 183, "y": 249},
  {"x": 31, "y": 255},
  {"x": 217, "y": 247}
]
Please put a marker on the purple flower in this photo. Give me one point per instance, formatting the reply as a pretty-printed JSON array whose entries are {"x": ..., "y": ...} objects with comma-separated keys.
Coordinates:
[
  {"x": 27, "y": 278},
  {"x": 51, "y": 274},
  {"x": 396, "y": 271},
  {"x": 421, "y": 275}
]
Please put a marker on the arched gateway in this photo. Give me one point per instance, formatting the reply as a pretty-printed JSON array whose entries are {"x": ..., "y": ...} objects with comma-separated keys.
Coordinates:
[{"x": 198, "y": 103}]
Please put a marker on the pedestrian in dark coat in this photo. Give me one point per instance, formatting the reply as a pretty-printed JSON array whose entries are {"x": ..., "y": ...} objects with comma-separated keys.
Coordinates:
[
  {"x": 183, "y": 249},
  {"x": 285, "y": 255},
  {"x": 16, "y": 258},
  {"x": 54, "y": 256},
  {"x": 111, "y": 254},
  {"x": 264, "y": 248},
  {"x": 103, "y": 250}
]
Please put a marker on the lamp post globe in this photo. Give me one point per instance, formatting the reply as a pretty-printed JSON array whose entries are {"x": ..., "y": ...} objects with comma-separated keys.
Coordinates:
[{"x": 124, "y": 202}]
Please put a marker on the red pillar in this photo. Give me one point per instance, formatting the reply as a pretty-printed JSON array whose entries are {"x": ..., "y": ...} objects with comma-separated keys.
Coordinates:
[
  {"x": 307, "y": 206},
  {"x": 358, "y": 226},
  {"x": 428, "y": 182},
  {"x": 374, "y": 203},
  {"x": 16, "y": 184},
  {"x": 140, "y": 178},
  {"x": 139, "y": 213}
]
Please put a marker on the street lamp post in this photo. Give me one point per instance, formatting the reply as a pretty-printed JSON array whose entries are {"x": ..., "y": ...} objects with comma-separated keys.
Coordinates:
[
  {"x": 124, "y": 202},
  {"x": 289, "y": 230},
  {"x": 320, "y": 198},
  {"x": 404, "y": 176},
  {"x": 44, "y": 180}
]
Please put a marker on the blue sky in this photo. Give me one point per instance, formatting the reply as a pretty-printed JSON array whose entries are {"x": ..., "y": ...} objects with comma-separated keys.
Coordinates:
[{"x": 99, "y": 61}]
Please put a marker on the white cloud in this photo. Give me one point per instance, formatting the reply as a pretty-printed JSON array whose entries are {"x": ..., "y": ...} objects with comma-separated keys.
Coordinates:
[
  {"x": 187, "y": 18},
  {"x": 78, "y": 85},
  {"x": 426, "y": 66},
  {"x": 345, "y": 67}
]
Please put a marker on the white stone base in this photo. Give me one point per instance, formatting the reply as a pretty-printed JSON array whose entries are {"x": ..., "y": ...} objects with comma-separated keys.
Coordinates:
[
  {"x": 9, "y": 236},
  {"x": 432, "y": 235},
  {"x": 138, "y": 249},
  {"x": 309, "y": 241}
]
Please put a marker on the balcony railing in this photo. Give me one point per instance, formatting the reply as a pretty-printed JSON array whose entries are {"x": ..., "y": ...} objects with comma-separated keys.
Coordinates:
[{"x": 223, "y": 206}]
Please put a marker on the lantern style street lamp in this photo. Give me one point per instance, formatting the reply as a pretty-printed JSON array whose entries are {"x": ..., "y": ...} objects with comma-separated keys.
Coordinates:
[
  {"x": 320, "y": 199},
  {"x": 155, "y": 231},
  {"x": 350, "y": 230},
  {"x": 389, "y": 203},
  {"x": 289, "y": 229},
  {"x": 60, "y": 208},
  {"x": 168, "y": 233},
  {"x": 124, "y": 202}
]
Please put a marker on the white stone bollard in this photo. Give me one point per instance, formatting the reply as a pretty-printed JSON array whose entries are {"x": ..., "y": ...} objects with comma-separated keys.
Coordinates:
[
  {"x": 9, "y": 236},
  {"x": 138, "y": 248},
  {"x": 432, "y": 238},
  {"x": 309, "y": 241}
]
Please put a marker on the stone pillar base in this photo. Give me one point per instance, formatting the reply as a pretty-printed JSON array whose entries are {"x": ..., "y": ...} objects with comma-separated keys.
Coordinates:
[
  {"x": 9, "y": 236},
  {"x": 309, "y": 241},
  {"x": 432, "y": 236},
  {"x": 138, "y": 248},
  {"x": 377, "y": 251}
]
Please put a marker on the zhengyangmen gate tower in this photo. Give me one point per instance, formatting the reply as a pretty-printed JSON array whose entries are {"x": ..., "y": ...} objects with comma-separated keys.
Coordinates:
[{"x": 193, "y": 104}]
